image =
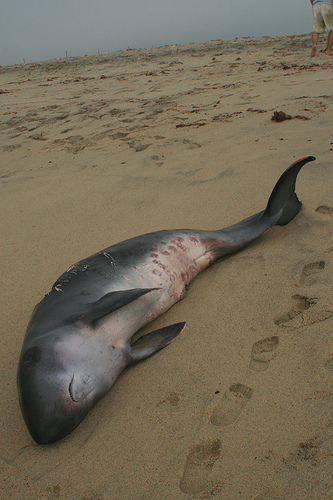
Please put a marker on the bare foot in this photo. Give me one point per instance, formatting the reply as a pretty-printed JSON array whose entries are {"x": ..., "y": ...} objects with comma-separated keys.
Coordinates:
[
  {"x": 313, "y": 51},
  {"x": 328, "y": 52}
]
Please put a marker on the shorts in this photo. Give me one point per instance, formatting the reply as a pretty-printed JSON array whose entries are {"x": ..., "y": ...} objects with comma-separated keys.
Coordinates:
[{"x": 322, "y": 17}]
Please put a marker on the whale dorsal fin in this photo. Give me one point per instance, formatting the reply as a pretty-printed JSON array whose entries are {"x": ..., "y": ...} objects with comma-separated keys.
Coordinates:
[{"x": 108, "y": 304}]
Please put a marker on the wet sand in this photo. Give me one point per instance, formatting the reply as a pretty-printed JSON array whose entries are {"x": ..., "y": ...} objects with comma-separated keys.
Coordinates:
[{"x": 98, "y": 149}]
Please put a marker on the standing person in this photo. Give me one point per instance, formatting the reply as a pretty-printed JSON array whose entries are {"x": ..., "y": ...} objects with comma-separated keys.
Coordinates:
[{"x": 322, "y": 11}]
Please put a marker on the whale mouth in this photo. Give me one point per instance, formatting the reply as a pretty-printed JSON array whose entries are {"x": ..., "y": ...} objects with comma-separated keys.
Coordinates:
[
  {"x": 77, "y": 395},
  {"x": 71, "y": 391}
]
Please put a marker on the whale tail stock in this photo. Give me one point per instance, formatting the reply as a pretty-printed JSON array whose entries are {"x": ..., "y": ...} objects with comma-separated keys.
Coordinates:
[{"x": 283, "y": 205}]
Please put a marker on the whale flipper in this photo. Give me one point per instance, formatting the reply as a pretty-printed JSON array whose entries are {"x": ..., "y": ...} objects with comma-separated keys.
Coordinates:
[
  {"x": 154, "y": 341},
  {"x": 108, "y": 304}
]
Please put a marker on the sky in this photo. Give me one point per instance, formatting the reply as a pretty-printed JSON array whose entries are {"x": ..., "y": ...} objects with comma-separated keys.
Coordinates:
[{"x": 38, "y": 30}]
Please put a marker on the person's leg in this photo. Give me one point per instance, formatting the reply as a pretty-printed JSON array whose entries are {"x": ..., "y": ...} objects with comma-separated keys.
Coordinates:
[
  {"x": 327, "y": 14},
  {"x": 329, "y": 43},
  {"x": 318, "y": 26},
  {"x": 315, "y": 37}
]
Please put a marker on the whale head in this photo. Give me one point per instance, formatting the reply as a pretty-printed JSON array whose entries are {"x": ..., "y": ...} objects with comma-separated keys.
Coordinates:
[{"x": 60, "y": 377}]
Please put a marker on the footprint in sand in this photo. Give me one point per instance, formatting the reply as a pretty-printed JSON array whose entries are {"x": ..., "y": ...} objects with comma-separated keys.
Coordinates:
[
  {"x": 309, "y": 274},
  {"x": 199, "y": 463},
  {"x": 305, "y": 313},
  {"x": 324, "y": 209},
  {"x": 230, "y": 406},
  {"x": 263, "y": 351},
  {"x": 203, "y": 455},
  {"x": 329, "y": 363},
  {"x": 302, "y": 304},
  {"x": 300, "y": 315}
]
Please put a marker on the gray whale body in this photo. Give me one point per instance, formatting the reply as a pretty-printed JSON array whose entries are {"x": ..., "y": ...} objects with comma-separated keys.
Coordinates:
[{"x": 78, "y": 338}]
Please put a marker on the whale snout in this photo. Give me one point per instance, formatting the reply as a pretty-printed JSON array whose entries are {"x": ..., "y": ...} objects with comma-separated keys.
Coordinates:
[{"x": 48, "y": 409}]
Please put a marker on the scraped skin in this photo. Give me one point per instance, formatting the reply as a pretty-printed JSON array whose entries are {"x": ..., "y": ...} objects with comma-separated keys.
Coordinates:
[{"x": 78, "y": 340}]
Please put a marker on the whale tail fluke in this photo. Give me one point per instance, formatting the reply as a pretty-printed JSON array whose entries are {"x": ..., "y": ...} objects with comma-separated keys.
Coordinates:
[{"x": 283, "y": 196}]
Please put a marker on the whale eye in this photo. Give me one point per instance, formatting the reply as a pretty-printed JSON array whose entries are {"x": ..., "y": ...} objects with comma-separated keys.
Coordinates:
[{"x": 33, "y": 355}]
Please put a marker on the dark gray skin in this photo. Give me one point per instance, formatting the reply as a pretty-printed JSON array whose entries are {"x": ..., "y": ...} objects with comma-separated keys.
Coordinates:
[{"x": 78, "y": 339}]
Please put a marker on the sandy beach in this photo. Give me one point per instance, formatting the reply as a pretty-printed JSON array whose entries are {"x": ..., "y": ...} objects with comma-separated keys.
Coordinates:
[{"x": 97, "y": 149}]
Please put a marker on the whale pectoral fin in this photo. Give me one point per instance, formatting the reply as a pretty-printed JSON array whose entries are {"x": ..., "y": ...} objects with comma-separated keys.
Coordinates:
[
  {"x": 152, "y": 342},
  {"x": 109, "y": 303}
]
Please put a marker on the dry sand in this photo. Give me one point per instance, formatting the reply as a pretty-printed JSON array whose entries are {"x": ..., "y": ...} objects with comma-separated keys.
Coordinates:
[{"x": 98, "y": 149}]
